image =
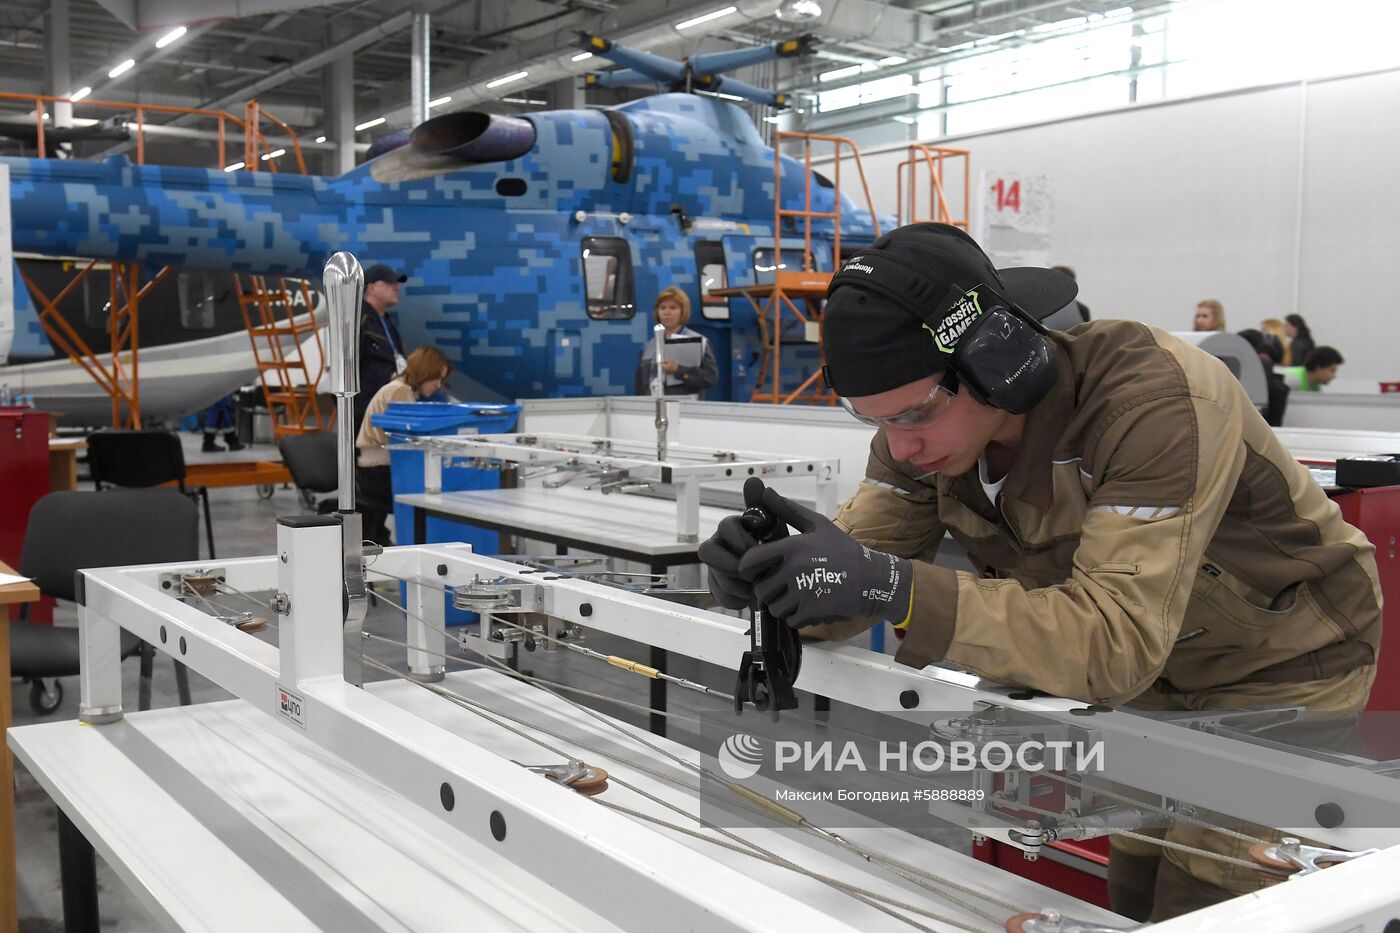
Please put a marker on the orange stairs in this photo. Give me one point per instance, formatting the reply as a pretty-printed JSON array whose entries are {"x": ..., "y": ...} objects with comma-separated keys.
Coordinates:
[{"x": 278, "y": 332}]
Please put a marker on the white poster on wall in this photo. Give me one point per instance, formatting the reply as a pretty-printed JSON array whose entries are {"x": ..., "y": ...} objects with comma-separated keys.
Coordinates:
[{"x": 1013, "y": 218}]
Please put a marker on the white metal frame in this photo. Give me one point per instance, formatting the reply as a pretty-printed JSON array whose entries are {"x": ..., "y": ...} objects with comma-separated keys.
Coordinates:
[
  {"x": 301, "y": 683},
  {"x": 630, "y": 462}
]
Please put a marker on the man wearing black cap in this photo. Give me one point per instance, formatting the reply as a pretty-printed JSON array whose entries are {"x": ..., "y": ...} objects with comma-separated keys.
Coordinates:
[
  {"x": 1139, "y": 533},
  {"x": 382, "y": 354}
]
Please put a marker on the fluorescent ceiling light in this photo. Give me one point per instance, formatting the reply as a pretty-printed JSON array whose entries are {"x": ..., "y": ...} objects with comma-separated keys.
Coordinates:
[
  {"x": 79, "y": 94},
  {"x": 273, "y": 154},
  {"x": 123, "y": 68},
  {"x": 715, "y": 14},
  {"x": 893, "y": 60},
  {"x": 171, "y": 36},
  {"x": 320, "y": 139},
  {"x": 439, "y": 102},
  {"x": 523, "y": 100},
  {"x": 582, "y": 57},
  {"x": 234, "y": 167},
  {"x": 1061, "y": 24},
  {"x": 507, "y": 79},
  {"x": 364, "y": 126},
  {"x": 839, "y": 73}
]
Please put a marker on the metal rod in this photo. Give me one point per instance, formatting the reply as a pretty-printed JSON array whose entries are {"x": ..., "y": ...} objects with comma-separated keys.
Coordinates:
[{"x": 344, "y": 282}]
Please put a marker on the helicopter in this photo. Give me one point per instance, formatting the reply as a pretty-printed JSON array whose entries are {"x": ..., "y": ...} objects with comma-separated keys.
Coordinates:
[{"x": 534, "y": 245}]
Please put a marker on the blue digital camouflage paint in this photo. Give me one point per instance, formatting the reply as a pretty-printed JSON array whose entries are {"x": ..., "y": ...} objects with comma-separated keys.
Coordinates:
[{"x": 494, "y": 252}]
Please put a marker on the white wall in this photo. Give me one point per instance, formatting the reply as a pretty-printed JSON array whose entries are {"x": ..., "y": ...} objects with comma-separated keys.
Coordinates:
[{"x": 1273, "y": 200}]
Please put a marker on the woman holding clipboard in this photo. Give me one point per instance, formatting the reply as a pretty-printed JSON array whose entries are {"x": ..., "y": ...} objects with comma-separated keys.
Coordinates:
[{"x": 688, "y": 366}]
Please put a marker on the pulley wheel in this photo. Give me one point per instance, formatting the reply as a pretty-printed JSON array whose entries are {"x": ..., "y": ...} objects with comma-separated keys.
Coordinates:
[{"x": 591, "y": 784}]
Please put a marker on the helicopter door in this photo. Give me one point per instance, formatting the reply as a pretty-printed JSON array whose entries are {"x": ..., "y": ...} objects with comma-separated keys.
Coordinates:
[{"x": 711, "y": 315}]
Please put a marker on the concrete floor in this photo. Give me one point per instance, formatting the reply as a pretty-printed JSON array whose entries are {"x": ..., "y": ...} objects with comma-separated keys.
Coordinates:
[{"x": 244, "y": 525}]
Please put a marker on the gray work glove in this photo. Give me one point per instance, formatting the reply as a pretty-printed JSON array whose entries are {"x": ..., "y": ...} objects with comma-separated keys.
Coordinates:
[
  {"x": 822, "y": 574},
  {"x": 722, "y": 551}
]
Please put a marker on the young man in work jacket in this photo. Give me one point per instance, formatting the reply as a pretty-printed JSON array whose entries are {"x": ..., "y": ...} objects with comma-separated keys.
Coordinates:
[{"x": 1142, "y": 535}]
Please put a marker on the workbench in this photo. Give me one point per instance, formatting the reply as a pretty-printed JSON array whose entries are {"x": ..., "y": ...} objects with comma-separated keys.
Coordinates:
[
  {"x": 13, "y": 594},
  {"x": 220, "y": 819},
  {"x": 629, "y": 527}
]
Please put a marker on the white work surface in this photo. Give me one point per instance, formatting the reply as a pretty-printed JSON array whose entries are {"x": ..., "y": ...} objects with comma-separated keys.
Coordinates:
[
  {"x": 641, "y": 525},
  {"x": 222, "y": 818}
]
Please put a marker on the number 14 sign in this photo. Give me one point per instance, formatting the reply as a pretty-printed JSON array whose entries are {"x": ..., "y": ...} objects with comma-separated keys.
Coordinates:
[{"x": 1015, "y": 216}]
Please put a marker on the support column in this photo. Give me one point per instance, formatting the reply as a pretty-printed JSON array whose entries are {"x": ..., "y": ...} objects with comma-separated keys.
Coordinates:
[
  {"x": 568, "y": 93},
  {"x": 339, "y": 113},
  {"x": 419, "y": 69},
  {"x": 58, "y": 72}
]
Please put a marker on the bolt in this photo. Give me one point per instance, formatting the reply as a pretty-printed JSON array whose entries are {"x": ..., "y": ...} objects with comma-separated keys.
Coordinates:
[
  {"x": 979, "y": 840},
  {"x": 282, "y": 557},
  {"x": 1050, "y": 916},
  {"x": 1031, "y": 856}
]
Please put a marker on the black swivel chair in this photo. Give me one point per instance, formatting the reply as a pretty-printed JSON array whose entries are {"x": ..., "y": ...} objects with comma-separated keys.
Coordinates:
[
  {"x": 138, "y": 459},
  {"x": 69, "y": 531},
  {"x": 313, "y": 461}
]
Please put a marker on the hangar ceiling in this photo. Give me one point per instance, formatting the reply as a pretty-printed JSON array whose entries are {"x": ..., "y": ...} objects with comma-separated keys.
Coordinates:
[{"x": 280, "y": 50}]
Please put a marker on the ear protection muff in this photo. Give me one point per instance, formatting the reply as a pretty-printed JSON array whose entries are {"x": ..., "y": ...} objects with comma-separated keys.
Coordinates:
[{"x": 999, "y": 352}]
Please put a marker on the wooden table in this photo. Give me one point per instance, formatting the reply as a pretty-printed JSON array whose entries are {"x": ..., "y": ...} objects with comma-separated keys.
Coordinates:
[
  {"x": 9, "y": 910},
  {"x": 221, "y": 475},
  {"x": 63, "y": 462}
]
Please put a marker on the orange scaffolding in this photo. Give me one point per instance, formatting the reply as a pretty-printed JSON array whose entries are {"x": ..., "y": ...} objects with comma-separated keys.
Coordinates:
[
  {"x": 938, "y": 159},
  {"x": 120, "y": 377},
  {"x": 773, "y": 301}
]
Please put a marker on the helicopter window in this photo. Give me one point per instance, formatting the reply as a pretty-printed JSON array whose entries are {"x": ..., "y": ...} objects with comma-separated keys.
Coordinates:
[
  {"x": 709, "y": 262},
  {"x": 607, "y": 279},
  {"x": 511, "y": 187},
  {"x": 94, "y": 311},
  {"x": 822, "y": 180},
  {"x": 196, "y": 301},
  {"x": 765, "y": 264}
]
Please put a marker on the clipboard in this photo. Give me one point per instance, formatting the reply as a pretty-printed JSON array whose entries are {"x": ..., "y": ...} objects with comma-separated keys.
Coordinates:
[{"x": 687, "y": 351}]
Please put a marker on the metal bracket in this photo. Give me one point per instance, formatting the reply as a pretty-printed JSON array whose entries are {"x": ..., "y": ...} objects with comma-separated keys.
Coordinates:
[
  {"x": 1299, "y": 859},
  {"x": 199, "y": 582}
]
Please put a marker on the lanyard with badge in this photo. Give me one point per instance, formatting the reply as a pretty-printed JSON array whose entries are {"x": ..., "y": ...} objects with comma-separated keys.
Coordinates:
[{"x": 400, "y": 364}]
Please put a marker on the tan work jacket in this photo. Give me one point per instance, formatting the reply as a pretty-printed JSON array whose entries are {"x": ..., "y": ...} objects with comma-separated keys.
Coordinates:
[{"x": 1152, "y": 526}]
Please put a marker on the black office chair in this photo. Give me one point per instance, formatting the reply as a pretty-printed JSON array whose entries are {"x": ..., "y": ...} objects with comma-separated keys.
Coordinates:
[
  {"x": 71, "y": 531},
  {"x": 312, "y": 460},
  {"x": 138, "y": 459}
]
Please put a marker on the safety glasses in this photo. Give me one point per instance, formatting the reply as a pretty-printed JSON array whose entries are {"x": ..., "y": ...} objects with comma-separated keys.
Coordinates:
[{"x": 939, "y": 400}]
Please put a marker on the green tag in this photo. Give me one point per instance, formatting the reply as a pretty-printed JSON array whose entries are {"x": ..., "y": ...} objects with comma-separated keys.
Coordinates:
[{"x": 956, "y": 321}]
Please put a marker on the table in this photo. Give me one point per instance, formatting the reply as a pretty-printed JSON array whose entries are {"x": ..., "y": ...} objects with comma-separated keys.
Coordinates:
[
  {"x": 63, "y": 462},
  {"x": 14, "y": 594},
  {"x": 221, "y": 475},
  {"x": 635, "y": 528},
  {"x": 220, "y": 817}
]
